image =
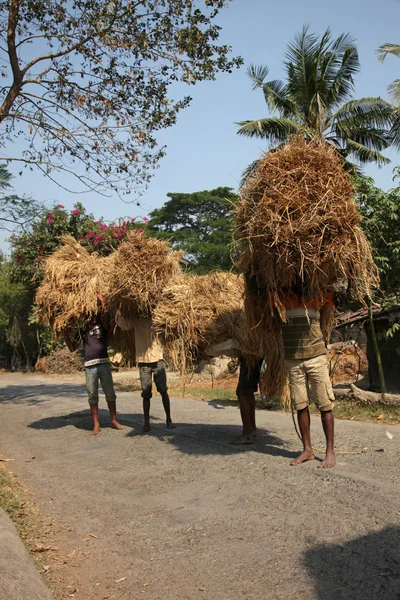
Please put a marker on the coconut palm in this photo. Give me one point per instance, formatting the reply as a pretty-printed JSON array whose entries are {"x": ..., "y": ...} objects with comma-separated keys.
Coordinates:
[
  {"x": 316, "y": 100},
  {"x": 383, "y": 51},
  {"x": 394, "y": 88}
]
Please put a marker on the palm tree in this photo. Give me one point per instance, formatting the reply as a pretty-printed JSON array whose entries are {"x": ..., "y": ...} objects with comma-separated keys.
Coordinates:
[
  {"x": 316, "y": 100},
  {"x": 394, "y": 89},
  {"x": 383, "y": 51}
]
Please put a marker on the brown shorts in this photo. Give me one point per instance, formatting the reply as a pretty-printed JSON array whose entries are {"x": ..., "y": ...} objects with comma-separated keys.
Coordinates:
[
  {"x": 310, "y": 379},
  {"x": 149, "y": 370}
]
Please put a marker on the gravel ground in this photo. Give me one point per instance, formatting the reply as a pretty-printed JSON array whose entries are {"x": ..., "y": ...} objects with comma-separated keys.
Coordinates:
[{"x": 182, "y": 514}]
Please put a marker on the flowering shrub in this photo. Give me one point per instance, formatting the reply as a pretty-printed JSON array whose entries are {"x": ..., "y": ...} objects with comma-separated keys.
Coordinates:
[{"x": 30, "y": 249}]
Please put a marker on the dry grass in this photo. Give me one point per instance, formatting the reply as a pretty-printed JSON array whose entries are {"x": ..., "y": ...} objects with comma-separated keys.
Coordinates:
[
  {"x": 297, "y": 219},
  {"x": 142, "y": 268},
  {"x": 198, "y": 311},
  {"x": 67, "y": 296}
]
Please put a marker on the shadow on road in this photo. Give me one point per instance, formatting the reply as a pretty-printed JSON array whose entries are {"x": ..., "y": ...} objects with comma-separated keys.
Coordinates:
[
  {"x": 39, "y": 393},
  {"x": 190, "y": 438},
  {"x": 366, "y": 568}
]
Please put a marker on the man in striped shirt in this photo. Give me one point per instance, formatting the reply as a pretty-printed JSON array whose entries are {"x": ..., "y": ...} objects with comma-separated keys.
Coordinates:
[{"x": 305, "y": 357}]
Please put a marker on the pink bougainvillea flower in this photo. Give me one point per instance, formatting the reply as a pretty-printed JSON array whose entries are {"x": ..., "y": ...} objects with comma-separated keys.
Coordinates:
[
  {"x": 90, "y": 234},
  {"x": 98, "y": 238},
  {"x": 75, "y": 212},
  {"x": 103, "y": 227},
  {"x": 60, "y": 206},
  {"x": 139, "y": 231},
  {"x": 50, "y": 220},
  {"x": 132, "y": 219},
  {"x": 145, "y": 219},
  {"x": 124, "y": 223}
]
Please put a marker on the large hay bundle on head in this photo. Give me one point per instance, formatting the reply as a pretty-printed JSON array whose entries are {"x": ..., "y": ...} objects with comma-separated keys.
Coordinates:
[
  {"x": 298, "y": 232},
  {"x": 198, "y": 311},
  {"x": 297, "y": 220},
  {"x": 67, "y": 296},
  {"x": 142, "y": 268}
]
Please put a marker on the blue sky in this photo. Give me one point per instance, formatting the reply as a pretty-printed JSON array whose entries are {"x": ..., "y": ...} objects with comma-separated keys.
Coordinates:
[{"x": 203, "y": 150}]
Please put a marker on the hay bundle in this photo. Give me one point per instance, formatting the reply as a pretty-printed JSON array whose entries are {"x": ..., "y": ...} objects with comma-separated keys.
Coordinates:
[
  {"x": 67, "y": 296},
  {"x": 142, "y": 268},
  {"x": 298, "y": 229},
  {"x": 197, "y": 311},
  {"x": 297, "y": 220}
]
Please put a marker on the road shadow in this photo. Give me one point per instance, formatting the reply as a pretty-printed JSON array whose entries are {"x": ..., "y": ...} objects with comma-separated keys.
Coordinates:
[
  {"x": 40, "y": 393},
  {"x": 366, "y": 568},
  {"x": 189, "y": 438},
  {"x": 82, "y": 419},
  {"x": 209, "y": 438}
]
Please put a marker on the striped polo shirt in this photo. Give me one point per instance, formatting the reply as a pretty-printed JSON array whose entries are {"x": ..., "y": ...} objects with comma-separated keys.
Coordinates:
[{"x": 302, "y": 334}]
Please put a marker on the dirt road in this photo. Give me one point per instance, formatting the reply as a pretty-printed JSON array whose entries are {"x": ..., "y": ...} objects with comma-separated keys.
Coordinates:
[{"x": 183, "y": 515}]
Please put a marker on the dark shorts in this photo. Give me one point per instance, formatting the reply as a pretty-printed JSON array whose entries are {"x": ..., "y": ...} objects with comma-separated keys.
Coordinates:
[
  {"x": 248, "y": 378},
  {"x": 147, "y": 372}
]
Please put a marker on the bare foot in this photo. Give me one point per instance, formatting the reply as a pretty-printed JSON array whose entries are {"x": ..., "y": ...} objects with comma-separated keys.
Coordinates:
[
  {"x": 96, "y": 430},
  {"x": 329, "y": 462},
  {"x": 146, "y": 428},
  {"x": 243, "y": 440},
  {"x": 116, "y": 425},
  {"x": 170, "y": 425},
  {"x": 303, "y": 457}
]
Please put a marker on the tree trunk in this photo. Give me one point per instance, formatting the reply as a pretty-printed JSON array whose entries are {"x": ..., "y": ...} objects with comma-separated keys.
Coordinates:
[{"x": 382, "y": 383}]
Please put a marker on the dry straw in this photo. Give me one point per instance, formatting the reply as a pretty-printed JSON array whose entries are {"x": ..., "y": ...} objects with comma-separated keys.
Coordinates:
[
  {"x": 297, "y": 218},
  {"x": 198, "y": 311},
  {"x": 67, "y": 296},
  {"x": 142, "y": 268},
  {"x": 297, "y": 222}
]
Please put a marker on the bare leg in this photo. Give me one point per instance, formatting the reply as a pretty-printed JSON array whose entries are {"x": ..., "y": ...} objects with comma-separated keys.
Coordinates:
[
  {"x": 112, "y": 407},
  {"x": 247, "y": 412},
  {"x": 146, "y": 412},
  {"x": 167, "y": 408},
  {"x": 95, "y": 416},
  {"x": 303, "y": 417},
  {"x": 329, "y": 425}
]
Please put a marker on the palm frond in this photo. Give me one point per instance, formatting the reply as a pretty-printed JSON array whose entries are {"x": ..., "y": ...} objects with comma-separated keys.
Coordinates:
[
  {"x": 365, "y": 111},
  {"x": 394, "y": 91},
  {"x": 257, "y": 74},
  {"x": 386, "y": 49},
  {"x": 364, "y": 154},
  {"x": 248, "y": 172},
  {"x": 277, "y": 98},
  {"x": 395, "y": 131},
  {"x": 273, "y": 129}
]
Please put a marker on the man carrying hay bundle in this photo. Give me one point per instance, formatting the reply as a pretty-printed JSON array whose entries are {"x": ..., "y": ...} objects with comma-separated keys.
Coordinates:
[
  {"x": 97, "y": 365},
  {"x": 299, "y": 235},
  {"x": 247, "y": 386},
  {"x": 151, "y": 363}
]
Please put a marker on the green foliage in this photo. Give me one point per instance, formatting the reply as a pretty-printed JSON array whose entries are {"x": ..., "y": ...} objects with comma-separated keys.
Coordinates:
[
  {"x": 30, "y": 248},
  {"x": 86, "y": 83},
  {"x": 18, "y": 338},
  {"x": 316, "y": 100},
  {"x": 381, "y": 223},
  {"x": 200, "y": 224}
]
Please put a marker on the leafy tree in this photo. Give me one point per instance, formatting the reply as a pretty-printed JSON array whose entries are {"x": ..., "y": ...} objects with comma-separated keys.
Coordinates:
[
  {"x": 86, "y": 82},
  {"x": 316, "y": 100},
  {"x": 381, "y": 223},
  {"x": 18, "y": 338},
  {"x": 29, "y": 250},
  {"x": 14, "y": 210},
  {"x": 200, "y": 224}
]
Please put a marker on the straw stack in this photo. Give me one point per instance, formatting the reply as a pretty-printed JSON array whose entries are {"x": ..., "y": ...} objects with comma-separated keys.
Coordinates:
[
  {"x": 198, "y": 311},
  {"x": 67, "y": 296}
]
